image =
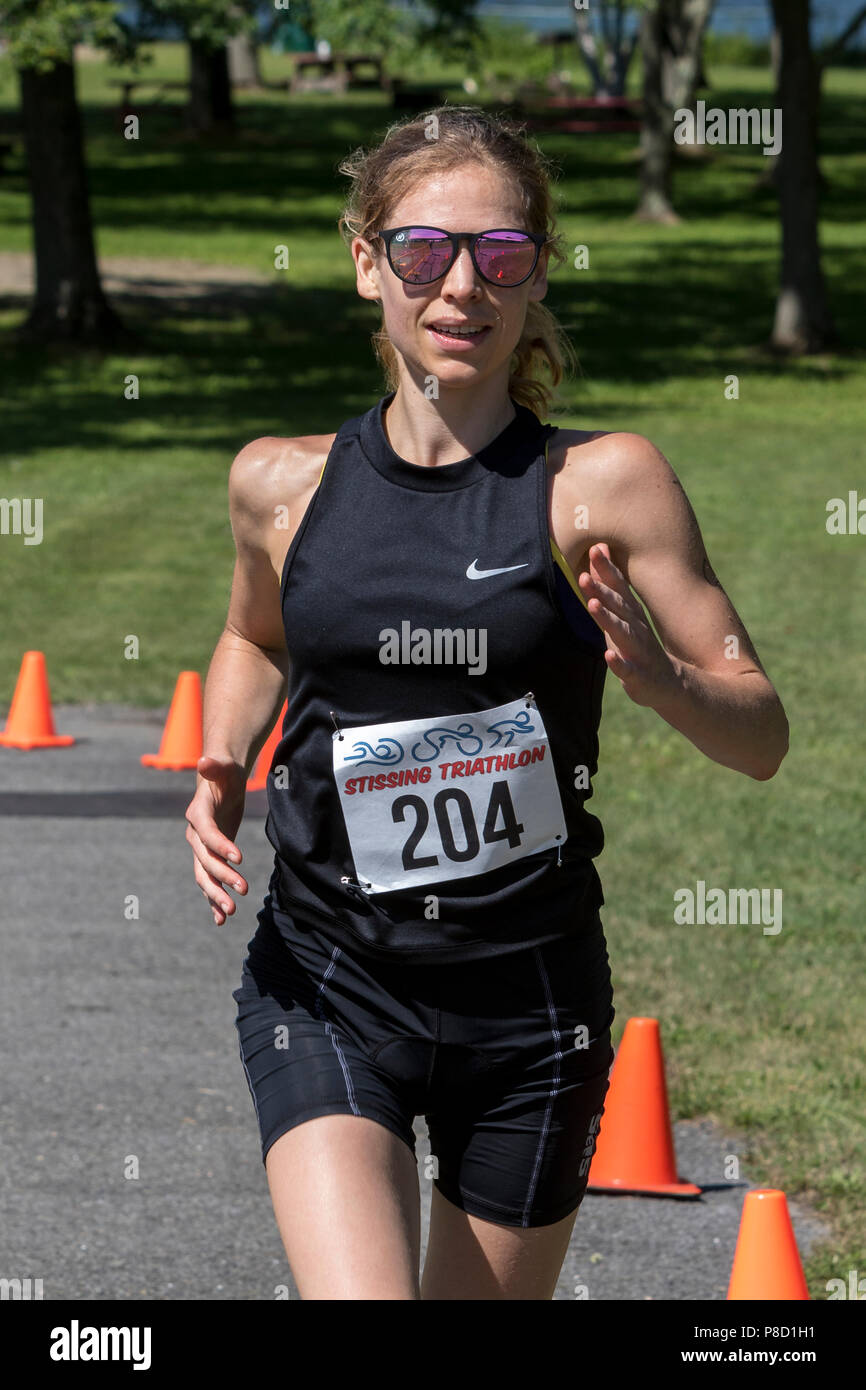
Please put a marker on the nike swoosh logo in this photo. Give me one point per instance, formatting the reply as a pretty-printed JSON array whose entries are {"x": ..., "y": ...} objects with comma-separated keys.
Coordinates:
[{"x": 473, "y": 573}]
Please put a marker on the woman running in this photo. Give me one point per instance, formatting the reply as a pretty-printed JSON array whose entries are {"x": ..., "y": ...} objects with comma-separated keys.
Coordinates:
[{"x": 445, "y": 582}]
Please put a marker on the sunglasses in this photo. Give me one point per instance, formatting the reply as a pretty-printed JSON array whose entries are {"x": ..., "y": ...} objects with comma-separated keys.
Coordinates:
[{"x": 420, "y": 255}]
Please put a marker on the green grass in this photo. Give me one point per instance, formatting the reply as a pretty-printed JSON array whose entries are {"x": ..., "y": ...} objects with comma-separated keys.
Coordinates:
[{"x": 763, "y": 1033}]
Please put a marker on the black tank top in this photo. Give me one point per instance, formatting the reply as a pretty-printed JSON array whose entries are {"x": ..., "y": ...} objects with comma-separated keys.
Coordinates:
[{"x": 426, "y": 800}]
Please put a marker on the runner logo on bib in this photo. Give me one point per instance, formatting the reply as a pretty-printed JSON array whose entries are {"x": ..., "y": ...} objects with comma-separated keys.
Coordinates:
[{"x": 427, "y": 800}]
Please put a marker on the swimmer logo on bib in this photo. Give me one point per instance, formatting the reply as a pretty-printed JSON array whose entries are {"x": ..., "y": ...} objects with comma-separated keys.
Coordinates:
[{"x": 429, "y": 800}]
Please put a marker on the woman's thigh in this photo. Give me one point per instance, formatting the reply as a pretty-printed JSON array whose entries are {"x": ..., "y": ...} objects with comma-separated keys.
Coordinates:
[
  {"x": 346, "y": 1200},
  {"x": 470, "y": 1258},
  {"x": 336, "y": 1128},
  {"x": 514, "y": 1144}
]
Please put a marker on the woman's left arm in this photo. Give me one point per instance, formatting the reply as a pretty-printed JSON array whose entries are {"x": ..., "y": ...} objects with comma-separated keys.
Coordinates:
[{"x": 704, "y": 676}]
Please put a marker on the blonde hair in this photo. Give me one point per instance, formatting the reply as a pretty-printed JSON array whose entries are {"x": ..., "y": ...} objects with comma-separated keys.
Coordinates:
[{"x": 404, "y": 158}]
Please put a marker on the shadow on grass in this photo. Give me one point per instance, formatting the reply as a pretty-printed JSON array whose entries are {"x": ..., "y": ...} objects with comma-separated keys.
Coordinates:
[
  {"x": 697, "y": 308},
  {"x": 246, "y": 360},
  {"x": 288, "y": 360},
  {"x": 284, "y": 157},
  {"x": 212, "y": 375}
]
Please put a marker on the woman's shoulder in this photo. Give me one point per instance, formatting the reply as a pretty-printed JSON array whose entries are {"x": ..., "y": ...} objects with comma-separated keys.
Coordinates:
[
  {"x": 278, "y": 468},
  {"x": 615, "y": 456}
]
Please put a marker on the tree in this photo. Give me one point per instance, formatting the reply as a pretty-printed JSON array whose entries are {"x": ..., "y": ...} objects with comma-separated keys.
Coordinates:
[
  {"x": 243, "y": 56},
  {"x": 69, "y": 303},
  {"x": 210, "y": 90},
  {"x": 824, "y": 58},
  {"x": 207, "y": 26},
  {"x": 671, "y": 35},
  {"x": 378, "y": 26},
  {"x": 803, "y": 321},
  {"x": 606, "y": 38},
  {"x": 445, "y": 23}
]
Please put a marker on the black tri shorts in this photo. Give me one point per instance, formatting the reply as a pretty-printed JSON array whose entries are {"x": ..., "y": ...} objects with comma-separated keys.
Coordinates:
[{"x": 507, "y": 1059}]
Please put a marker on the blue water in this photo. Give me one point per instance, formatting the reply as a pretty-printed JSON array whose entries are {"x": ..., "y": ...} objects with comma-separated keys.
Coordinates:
[{"x": 751, "y": 17}]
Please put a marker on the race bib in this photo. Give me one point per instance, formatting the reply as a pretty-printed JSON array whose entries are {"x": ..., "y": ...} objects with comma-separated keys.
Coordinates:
[{"x": 426, "y": 800}]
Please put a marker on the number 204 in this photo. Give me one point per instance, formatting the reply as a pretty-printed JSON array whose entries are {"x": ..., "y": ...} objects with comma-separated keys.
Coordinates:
[{"x": 500, "y": 803}]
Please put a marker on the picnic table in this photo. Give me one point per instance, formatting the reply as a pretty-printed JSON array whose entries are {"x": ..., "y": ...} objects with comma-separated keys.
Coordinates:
[
  {"x": 129, "y": 85},
  {"x": 336, "y": 72}
]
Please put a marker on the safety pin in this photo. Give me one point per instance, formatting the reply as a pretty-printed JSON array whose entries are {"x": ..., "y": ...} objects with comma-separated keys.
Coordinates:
[
  {"x": 336, "y": 724},
  {"x": 353, "y": 884}
]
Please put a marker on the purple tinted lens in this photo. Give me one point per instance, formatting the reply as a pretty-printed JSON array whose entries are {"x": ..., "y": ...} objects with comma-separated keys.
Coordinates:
[
  {"x": 420, "y": 254},
  {"x": 505, "y": 257}
]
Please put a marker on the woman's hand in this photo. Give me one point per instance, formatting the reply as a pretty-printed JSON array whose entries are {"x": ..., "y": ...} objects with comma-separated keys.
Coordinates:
[
  {"x": 214, "y": 815},
  {"x": 634, "y": 653}
]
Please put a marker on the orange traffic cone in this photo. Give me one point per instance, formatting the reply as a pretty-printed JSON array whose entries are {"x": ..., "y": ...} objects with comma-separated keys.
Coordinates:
[
  {"x": 635, "y": 1147},
  {"x": 31, "y": 723},
  {"x": 766, "y": 1260},
  {"x": 182, "y": 736},
  {"x": 258, "y": 778}
]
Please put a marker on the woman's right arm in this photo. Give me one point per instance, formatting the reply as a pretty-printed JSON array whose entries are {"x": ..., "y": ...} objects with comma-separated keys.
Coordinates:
[{"x": 246, "y": 680}]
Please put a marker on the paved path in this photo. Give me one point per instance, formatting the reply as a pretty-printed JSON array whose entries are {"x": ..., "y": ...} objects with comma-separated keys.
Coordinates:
[
  {"x": 150, "y": 278},
  {"x": 123, "y": 1039}
]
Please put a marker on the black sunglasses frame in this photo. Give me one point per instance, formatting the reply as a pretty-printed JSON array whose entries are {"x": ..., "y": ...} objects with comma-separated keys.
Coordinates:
[{"x": 387, "y": 236}]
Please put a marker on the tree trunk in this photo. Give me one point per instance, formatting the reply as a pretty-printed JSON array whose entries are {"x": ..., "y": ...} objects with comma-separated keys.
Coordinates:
[
  {"x": 803, "y": 322},
  {"x": 588, "y": 50},
  {"x": 210, "y": 93},
  {"x": 685, "y": 25},
  {"x": 656, "y": 203},
  {"x": 69, "y": 303},
  {"x": 244, "y": 62},
  {"x": 769, "y": 177},
  {"x": 607, "y": 61},
  {"x": 672, "y": 36}
]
